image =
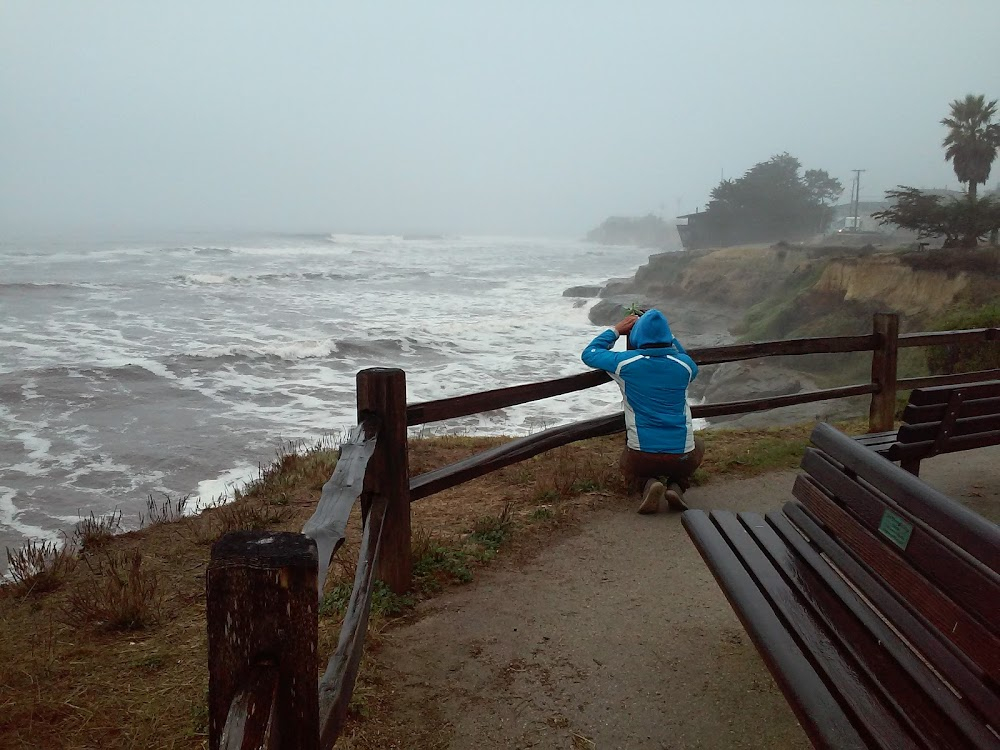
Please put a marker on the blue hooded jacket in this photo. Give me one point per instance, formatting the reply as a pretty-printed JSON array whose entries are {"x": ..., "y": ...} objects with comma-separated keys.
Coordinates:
[{"x": 653, "y": 377}]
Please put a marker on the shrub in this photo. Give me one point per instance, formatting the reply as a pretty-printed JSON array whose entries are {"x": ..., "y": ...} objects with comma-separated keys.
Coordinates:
[
  {"x": 492, "y": 531},
  {"x": 94, "y": 532},
  {"x": 38, "y": 567},
  {"x": 168, "y": 511},
  {"x": 121, "y": 595}
]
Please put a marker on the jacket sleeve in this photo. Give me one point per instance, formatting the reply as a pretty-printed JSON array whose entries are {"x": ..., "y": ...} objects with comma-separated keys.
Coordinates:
[
  {"x": 598, "y": 353},
  {"x": 691, "y": 363}
]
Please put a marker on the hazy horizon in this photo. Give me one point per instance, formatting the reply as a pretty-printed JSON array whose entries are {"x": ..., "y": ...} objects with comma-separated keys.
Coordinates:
[{"x": 452, "y": 118}]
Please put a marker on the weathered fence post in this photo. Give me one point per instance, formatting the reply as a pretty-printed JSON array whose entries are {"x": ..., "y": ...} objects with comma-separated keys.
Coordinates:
[
  {"x": 382, "y": 392},
  {"x": 262, "y": 610},
  {"x": 882, "y": 411}
]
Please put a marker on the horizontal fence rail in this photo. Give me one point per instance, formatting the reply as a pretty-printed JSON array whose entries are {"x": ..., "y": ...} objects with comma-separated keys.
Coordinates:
[
  {"x": 500, "y": 398},
  {"x": 937, "y": 338},
  {"x": 511, "y": 453},
  {"x": 764, "y": 404},
  {"x": 788, "y": 347}
]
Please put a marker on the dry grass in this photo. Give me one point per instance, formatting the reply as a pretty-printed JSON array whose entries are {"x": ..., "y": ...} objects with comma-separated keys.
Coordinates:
[
  {"x": 168, "y": 510},
  {"x": 119, "y": 594},
  {"x": 39, "y": 567},
  {"x": 96, "y": 531},
  {"x": 88, "y": 685}
]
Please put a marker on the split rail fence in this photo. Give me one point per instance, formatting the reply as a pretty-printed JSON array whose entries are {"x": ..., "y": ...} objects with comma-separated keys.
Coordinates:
[{"x": 264, "y": 589}]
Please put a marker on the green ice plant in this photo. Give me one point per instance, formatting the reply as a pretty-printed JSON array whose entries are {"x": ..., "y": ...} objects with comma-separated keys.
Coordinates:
[{"x": 634, "y": 309}]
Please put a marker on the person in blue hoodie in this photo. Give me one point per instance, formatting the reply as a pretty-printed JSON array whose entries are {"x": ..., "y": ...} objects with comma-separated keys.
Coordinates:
[{"x": 661, "y": 450}]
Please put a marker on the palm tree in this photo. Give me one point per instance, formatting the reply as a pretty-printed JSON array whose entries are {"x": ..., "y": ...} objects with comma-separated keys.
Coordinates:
[{"x": 973, "y": 139}]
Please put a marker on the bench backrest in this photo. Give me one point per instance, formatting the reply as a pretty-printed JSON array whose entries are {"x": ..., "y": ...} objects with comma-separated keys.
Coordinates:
[
  {"x": 929, "y": 564},
  {"x": 950, "y": 418}
]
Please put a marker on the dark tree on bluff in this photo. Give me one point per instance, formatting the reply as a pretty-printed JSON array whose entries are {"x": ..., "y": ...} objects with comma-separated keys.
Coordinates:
[{"x": 772, "y": 201}]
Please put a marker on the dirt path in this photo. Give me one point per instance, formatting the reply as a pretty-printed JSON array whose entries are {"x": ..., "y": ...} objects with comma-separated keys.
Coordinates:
[{"x": 614, "y": 637}]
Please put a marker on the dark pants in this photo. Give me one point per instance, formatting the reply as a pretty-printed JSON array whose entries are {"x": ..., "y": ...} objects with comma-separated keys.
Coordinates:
[{"x": 638, "y": 467}]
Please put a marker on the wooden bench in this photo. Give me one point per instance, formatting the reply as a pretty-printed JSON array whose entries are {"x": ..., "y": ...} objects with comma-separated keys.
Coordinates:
[
  {"x": 943, "y": 419},
  {"x": 874, "y": 600}
]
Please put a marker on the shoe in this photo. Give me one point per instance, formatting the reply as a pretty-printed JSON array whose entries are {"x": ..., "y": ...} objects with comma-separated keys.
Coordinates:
[
  {"x": 675, "y": 497},
  {"x": 651, "y": 497}
]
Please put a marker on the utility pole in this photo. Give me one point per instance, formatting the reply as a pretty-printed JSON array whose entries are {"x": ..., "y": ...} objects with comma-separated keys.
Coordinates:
[{"x": 856, "y": 197}]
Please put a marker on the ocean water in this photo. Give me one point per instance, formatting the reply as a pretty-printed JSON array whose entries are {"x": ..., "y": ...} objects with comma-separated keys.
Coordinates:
[{"x": 130, "y": 369}]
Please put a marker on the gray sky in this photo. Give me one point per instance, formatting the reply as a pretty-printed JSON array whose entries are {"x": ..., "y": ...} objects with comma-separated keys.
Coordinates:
[{"x": 534, "y": 117}]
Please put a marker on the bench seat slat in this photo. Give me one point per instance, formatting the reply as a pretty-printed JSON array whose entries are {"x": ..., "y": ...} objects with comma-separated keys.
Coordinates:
[
  {"x": 877, "y": 437},
  {"x": 940, "y": 394},
  {"x": 815, "y": 707},
  {"x": 979, "y": 407},
  {"x": 971, "y": 532},
  {"x": 925, "y": 448},
  {"x": 921, "y": 595},
  {"x": 914, "y": 691},
  {"x": 877, "y": 691},
  {"x": 963, "y": 427},
  {"x": 880, "y": 445},
  {"x": 960, "y": 671},
  {"x": 970, "y": 715},
  {"x": 971, "y": 584}
]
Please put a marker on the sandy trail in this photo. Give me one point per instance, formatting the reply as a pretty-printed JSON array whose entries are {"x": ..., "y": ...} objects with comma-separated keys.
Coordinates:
[{"x": 616, "y": 636}]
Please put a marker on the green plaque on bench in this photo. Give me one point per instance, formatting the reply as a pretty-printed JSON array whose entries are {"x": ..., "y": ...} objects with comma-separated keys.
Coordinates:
[{"x": 895, "y": 529}]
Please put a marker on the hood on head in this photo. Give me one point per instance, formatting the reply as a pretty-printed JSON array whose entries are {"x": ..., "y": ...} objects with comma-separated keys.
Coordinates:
[{"x": 651, "y": 329}]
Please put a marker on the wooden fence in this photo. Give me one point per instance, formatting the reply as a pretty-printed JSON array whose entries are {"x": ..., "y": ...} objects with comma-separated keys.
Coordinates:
[{"x": 263, "y": 589}]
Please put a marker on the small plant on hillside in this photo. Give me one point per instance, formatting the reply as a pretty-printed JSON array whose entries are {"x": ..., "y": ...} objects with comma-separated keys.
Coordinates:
[
  {"x": 168, "y": 511},
  {"x": 247, "y": 515},
  {"x": 121, "y": 595},
  {"x": 38, "y": 567},
  {"x": 293, "y": 468},
  {"x": 492, "y": 531},
  {"x": 568, "y": 472},
  {"x": 542, "y": 513},
  {"x": 436, "y": 562},
  {"x": 385, "y": 602},
  {"x": 94, "y": 532}
]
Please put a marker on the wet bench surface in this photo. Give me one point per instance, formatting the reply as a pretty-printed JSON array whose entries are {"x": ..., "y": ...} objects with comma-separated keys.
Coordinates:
[{"x": 873, "y": 598}]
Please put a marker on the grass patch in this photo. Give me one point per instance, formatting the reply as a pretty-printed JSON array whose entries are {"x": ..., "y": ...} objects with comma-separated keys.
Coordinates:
[
  {"x": 490, "y": 532},
  {"x": 737, "y": 453},
  {"x": 120, "y": 595},
  {"x": 169, "y": 510},
  {"x": 436, "y": 563},
  {"x": 38, "y": 567},
  {"x": 96, "y": 531},
  {"x": 385, "y": 603}
]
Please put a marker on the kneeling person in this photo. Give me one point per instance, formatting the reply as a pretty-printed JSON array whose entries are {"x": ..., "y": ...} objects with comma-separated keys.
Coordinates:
[{"x": 654, "y": 375}]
